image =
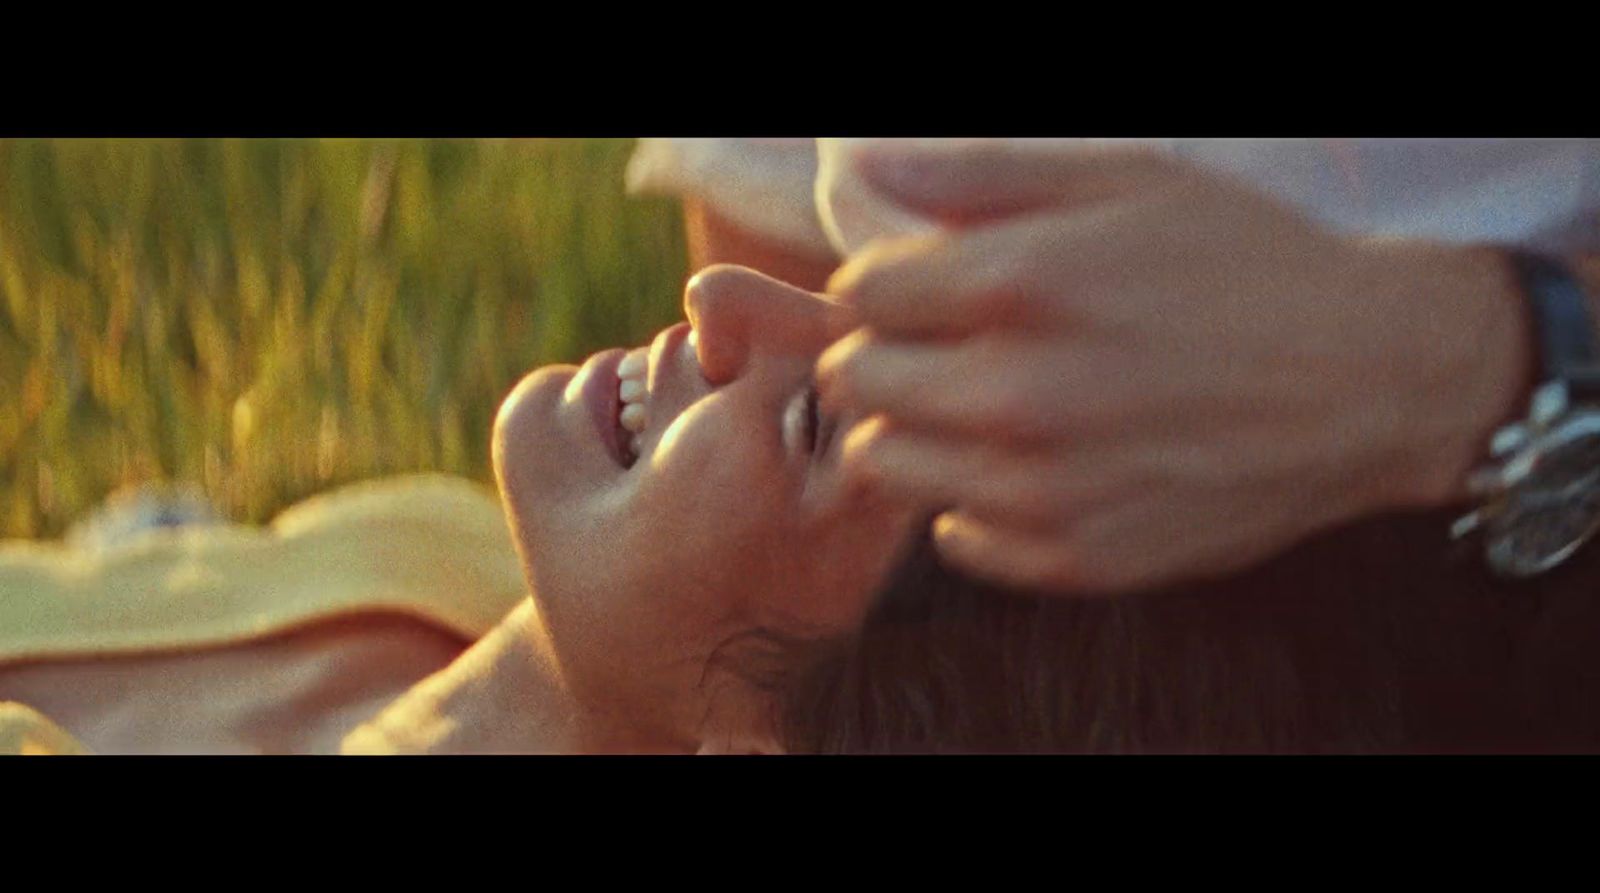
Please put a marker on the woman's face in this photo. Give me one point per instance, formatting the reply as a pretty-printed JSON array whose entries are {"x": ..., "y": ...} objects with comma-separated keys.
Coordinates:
[{"x": 733, "y": 518}]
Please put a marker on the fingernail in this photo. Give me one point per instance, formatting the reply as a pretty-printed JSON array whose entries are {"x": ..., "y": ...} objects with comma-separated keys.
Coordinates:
[
  {"x": 828, "y": 399},
  {"x": 830, "y": 396},
  {"x": 852, "y": 440},
  {"x": 839, "y": 284}
]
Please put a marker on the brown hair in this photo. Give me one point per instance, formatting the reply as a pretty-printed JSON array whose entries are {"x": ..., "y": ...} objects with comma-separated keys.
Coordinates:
[{"x": 1377, "y": 637}]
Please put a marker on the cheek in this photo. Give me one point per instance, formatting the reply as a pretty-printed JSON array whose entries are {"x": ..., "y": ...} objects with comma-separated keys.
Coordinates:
[
  {"x": 562, "y": 525},
  {"x": 855, "y": 549},
  {"x": 716, "y": 504},
  {"x": 725, "y": 517}
]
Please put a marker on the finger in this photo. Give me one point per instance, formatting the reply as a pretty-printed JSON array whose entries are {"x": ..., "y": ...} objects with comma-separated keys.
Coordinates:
[
  {"x": 1026, "y": 490},
  {"x": 1061, "y": 562},
  {"x": 971, "y": 184},
  {"x": 943, "y": 285},
  {"x": 999, "y": 387},
  {"x": 958, "y": 388},
  {"x": 1161, "y": 537},
  {"x": 1138, "y": 542},
  {"x": 1024, "y": 274},
  {"x": 1039, "y": 562}
]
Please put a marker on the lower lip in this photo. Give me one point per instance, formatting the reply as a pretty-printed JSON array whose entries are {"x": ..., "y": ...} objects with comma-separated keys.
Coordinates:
[{"x": 599, "y": 394}]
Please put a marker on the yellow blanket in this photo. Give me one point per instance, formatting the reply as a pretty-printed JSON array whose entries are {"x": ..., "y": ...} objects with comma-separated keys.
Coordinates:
[
  {"x": 23, "y": 731},
  {"x": 429, "y": 546}
]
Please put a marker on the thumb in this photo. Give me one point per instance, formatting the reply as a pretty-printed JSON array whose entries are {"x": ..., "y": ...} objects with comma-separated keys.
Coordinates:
[{"x": 976, "y": 183}]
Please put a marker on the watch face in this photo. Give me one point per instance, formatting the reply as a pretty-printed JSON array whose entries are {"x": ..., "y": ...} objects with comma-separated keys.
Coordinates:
[{"x": 1556, "y": 507}]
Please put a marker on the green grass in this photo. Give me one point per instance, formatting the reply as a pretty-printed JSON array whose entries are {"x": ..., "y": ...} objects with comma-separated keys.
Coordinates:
[{"x": 273, "y": 318}]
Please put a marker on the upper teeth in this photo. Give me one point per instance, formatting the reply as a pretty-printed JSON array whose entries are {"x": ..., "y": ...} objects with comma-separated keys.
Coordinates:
[
  {"x": 634, "y": 417},
  {"x": 631, "y": 372}
]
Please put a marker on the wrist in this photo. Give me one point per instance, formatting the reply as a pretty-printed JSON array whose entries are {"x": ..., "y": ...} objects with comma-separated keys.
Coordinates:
[{"x": 1479, "y": 367}]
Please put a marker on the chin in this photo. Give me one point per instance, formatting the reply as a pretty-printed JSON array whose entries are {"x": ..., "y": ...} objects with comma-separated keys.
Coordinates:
[{"x": 526, "y": 445}]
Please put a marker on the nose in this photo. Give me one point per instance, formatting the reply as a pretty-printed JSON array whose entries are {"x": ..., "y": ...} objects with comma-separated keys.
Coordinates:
[{"x": 739, "y": 314}]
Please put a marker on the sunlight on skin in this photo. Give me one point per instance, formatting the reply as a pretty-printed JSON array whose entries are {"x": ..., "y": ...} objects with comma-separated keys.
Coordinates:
[
  {"x": 670, "y": 437},
  {"x": 733, "y": 520}
]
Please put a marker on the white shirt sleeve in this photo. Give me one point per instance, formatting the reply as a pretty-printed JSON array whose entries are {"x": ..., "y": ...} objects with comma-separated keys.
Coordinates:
[
  {"x": 1543, "y": 193},
  {"x": 854, "y": 214},
  {"x": 762, "y": 185}
]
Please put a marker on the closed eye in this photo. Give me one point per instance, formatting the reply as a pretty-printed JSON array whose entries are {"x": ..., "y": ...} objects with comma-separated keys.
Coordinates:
[
  {"x": 819, "y": 430},
  {"x": 806, "y": 431}
]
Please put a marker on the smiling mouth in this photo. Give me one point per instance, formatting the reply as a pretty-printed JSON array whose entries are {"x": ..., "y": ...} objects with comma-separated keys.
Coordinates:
[
  {"x": 633, "y": 412},
  {"x": 630, "y": 451},
  {"x": 596, "y": 388},
  {"x": 616, "y": 388}
]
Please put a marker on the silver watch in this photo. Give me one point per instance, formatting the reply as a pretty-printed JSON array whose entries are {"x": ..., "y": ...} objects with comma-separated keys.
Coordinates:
[{"x": 1540, "y": 496}]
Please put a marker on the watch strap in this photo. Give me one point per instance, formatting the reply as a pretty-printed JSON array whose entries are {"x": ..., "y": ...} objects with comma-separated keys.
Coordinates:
[{"x": 1568, "y": 348}]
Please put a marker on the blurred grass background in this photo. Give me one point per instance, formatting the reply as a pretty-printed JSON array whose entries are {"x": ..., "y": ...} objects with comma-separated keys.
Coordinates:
[{"x": 271, "y": 318}]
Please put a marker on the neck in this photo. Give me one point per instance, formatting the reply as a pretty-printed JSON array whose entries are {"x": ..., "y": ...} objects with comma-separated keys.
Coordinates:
[{"x": 503, "y": 695}]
